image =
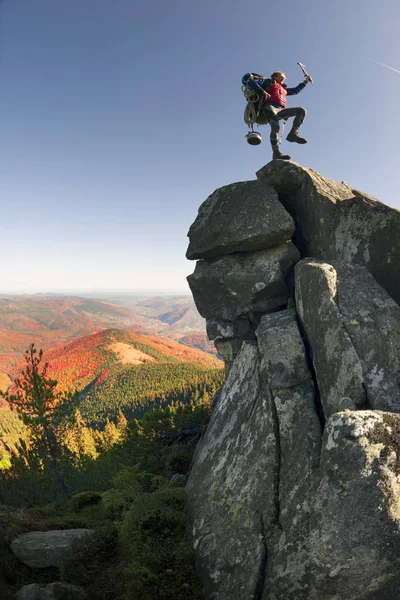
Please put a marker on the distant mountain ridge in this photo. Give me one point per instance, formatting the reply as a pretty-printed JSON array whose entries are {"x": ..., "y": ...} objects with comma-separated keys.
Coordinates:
[
  {"x": 179, "y": 312},
  {"x": 49, "y": 320}
]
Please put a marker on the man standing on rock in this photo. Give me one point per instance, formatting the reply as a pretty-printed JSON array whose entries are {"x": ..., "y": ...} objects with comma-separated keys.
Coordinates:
[{"x": 273, "y": 92}]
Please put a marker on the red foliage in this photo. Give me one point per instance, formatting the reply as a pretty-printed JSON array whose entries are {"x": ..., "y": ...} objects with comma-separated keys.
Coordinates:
[{"x": 78, "y": 363}]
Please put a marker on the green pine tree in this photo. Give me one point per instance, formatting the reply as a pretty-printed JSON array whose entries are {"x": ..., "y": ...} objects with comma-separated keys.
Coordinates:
[
  {"x": 80, "y": 439},
  {"x": 110, "y": 436},
  {"x": 44, "y": 411},
  {"x": 122, "y": 425}
]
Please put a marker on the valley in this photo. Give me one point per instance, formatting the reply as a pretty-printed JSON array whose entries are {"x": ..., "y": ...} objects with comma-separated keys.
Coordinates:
[{"x": 50, "y": 320}]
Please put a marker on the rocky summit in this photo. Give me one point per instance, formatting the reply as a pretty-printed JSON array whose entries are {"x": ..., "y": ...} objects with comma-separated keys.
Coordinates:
[{"x": 294, "y": 490}]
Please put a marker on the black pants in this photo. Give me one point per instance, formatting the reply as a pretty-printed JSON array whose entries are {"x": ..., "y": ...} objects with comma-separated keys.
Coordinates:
[{"x": 275, "y": 114}]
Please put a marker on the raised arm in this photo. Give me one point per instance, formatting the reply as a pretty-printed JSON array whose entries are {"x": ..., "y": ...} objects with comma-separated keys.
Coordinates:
[{"x": 298, "y": 88}]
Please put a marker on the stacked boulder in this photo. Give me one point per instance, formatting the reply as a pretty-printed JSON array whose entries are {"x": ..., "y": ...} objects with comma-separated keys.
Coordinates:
[
  {"x": 294, "y": 489},
  {"x": 242, "y": 236}
]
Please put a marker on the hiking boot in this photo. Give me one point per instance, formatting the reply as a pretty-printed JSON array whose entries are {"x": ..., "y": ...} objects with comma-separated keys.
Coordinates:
[
  {"x": 294, "y": 137},
  {"x": 277, "y": 155}
]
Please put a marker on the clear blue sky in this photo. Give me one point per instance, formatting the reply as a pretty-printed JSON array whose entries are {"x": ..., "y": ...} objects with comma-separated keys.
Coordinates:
[{"x": 118, "y": 118}]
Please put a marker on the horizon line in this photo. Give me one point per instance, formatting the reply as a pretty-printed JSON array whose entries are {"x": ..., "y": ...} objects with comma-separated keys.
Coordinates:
[{"x": 94, "y": 293}]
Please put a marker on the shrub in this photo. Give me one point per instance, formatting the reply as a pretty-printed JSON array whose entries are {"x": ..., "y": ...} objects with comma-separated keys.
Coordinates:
[
  {"x": 179, "y": 461},
  {"x": 92, "y": 561},
  {"x": 153, "y": 536},
  {"x": 83, "y": 499},
  {"x": 125, "y": 488}
]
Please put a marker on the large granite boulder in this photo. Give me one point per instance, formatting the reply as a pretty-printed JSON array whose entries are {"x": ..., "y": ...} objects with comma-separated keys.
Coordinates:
[
  {"x": 282, "y": 350},
  {"x": 241, "y": 217},
  {"x": 355, "y": 524},
  {"x": 353, "y": 328},
  {"x": 235, "y": 284},
  {"x": 279, "y": 514},
  {"x": 254, "y": 448},
  {"x": 336, "y": 222},
  {"x": 284, "y": 365},
  {"x": 232, "y": 487},
  {"x": 41, "y": 549},
  {"x": 294, "y": 488}
]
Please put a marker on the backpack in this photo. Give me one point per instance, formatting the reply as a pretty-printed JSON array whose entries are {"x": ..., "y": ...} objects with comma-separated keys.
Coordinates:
[{"x": 253, "y": 112}]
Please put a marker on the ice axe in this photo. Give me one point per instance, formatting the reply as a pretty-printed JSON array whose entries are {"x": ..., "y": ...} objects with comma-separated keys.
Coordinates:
[{"x": 303, "y": 68}]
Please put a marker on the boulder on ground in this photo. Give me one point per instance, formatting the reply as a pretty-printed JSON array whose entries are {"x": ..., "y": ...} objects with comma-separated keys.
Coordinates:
[
  {"x": 41, "y": 549},
  {"x": 62, "y": 591},
  {"x": 241, "y": 217},
  {"x": 29, "y": 592},
  {"x": 51, "y": 591}
]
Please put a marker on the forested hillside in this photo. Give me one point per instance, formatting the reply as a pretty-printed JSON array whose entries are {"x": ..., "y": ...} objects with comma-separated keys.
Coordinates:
[
  {"x": 119, "y": 373},
  {"x": 198, "y": 340},
  {"x": 130, "y": 495},
  {"x": 12, "y": 431},
  {"x": 115, "y": 461},
  {"x": 134, "y": 390},
  {"x": 91, "y": 359}
]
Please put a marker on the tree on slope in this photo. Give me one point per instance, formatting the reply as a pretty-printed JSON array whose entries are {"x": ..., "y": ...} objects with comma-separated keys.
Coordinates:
[{"x": 44, "y": 411}]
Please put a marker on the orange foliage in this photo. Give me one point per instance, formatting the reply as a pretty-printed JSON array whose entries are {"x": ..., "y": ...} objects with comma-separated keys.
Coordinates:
[{"x": 78, "y": 363}]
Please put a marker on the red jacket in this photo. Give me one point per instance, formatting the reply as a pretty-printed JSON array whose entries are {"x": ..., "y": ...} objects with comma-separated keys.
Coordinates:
[
  {"x": 277, "y": 91},
  {"x": 278, "y": 94}
]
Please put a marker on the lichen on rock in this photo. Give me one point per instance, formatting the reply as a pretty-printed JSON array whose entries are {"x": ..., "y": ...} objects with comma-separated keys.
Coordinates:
[{"x": 294, "y": 490}]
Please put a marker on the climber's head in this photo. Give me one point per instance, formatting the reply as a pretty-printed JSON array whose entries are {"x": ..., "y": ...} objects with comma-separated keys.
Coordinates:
[
  {"x": 245, "y": 78},
  {"x": 278, "y": 76}
]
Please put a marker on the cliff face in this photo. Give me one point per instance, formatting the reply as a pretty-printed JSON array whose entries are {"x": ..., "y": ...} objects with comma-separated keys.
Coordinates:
[{"x": 294, "y": 489}]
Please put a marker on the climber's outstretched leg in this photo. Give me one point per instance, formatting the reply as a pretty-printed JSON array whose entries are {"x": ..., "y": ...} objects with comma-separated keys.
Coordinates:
[
  {"x": 299, "y": 115},
  {"x": 274, "y": 137}
]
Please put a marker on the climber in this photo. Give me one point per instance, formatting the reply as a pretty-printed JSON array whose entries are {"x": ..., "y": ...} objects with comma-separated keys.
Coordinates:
[{"x": 272, "y": 106}]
